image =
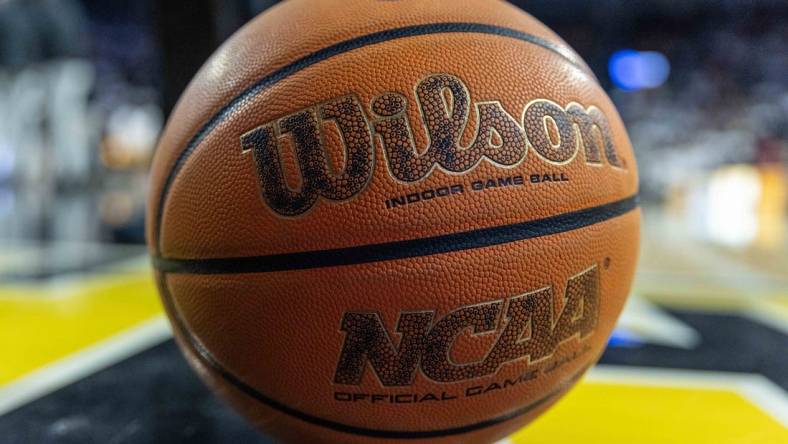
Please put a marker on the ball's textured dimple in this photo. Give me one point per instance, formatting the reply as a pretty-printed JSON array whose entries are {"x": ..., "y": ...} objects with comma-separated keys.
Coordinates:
[{"x": 410, "y": 220}]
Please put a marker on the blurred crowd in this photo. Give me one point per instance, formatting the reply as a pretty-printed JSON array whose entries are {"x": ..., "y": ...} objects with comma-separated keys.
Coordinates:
[{"x": 726, "y": 103}]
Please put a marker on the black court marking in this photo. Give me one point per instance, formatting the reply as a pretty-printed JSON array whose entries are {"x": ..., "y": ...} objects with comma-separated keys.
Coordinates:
[
  {"x": 207, "y": 358},
  {"x": 337, "y": 49},
  {"x": 758, "y": 348},
  {"x": 466, "y": 240}
]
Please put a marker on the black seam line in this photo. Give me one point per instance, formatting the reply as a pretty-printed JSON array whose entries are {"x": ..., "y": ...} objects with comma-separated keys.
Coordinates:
[
  {"x": 334, "y": 50},
  {"x": 207, "y": 358},
  {"x": 395, "y": 434},
  {"x": 480, "y": 238}
]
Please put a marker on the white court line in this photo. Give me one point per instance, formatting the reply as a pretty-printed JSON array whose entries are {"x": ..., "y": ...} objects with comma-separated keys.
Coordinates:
[
  {"x": 77, "y": 366},
  {"x": 758, "y": 389},
  {"x": 651, "y": 324},
  {"x": 774, "y": 317}
]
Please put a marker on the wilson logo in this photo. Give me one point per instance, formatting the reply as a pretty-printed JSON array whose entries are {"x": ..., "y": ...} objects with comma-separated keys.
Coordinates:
[
  {"x": 528, "y": 325},
  {"x": 555, "y": 133}
]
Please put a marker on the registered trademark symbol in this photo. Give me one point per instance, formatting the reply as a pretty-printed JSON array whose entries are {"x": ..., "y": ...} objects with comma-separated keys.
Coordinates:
[{"x": 606, "y": 263}]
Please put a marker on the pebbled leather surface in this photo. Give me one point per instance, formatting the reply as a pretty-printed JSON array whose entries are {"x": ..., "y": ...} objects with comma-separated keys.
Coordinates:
[
  {"x": 276, "y": 335},
  {"x": 280, "y": 36}
]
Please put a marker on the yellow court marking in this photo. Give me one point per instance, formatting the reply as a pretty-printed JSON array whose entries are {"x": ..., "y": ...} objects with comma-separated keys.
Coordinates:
[
  {"x": 608, "y": 413},
  {"x": 780, "y": 303},
  {"x": 43, "y": 324}
]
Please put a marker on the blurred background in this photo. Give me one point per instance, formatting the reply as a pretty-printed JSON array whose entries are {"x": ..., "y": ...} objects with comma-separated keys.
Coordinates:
[{"x": 86, "y": 86}]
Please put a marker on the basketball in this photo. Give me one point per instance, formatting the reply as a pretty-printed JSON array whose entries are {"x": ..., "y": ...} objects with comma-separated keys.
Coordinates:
[{"x": 400, "y": 220}]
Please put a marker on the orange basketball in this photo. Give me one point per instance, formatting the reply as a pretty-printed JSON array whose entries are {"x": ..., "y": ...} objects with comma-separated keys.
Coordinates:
[{"x": 395, "y": 220}]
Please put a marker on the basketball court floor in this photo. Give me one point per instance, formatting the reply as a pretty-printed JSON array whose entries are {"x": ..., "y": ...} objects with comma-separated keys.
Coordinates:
[{"x": 700, "y": 354}]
